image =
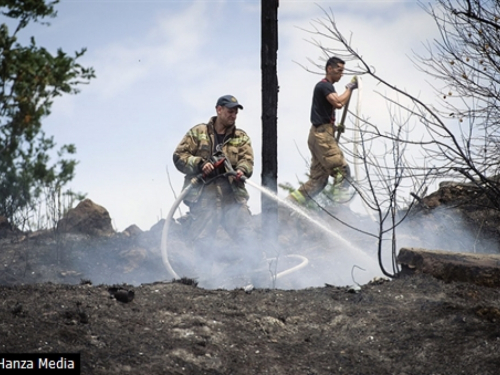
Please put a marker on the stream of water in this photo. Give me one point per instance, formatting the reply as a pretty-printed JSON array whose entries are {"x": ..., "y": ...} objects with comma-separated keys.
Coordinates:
[{"x": 354, "y": 250}]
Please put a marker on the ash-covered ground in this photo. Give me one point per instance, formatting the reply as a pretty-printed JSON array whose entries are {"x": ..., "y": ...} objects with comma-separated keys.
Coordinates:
[{"x": 111, "y": 299}]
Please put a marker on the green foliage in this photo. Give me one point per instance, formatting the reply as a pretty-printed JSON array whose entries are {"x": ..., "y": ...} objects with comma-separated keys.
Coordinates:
[
  {"x": 27, "y": 10},
  {"x": 30, "y": 78}
]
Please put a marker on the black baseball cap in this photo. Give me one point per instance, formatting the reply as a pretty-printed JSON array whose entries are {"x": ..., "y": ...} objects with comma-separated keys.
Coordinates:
[{"x": 228, "y": 101}]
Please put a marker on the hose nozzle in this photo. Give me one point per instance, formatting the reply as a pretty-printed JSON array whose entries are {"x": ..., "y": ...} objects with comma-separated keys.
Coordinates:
[{"x": 237, "y": 176}]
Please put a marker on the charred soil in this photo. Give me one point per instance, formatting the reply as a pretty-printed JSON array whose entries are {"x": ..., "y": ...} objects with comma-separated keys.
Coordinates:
[{"x": 61, "y": 294}]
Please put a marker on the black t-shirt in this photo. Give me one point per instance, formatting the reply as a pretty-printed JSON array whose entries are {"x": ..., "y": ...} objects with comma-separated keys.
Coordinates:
[
  {"x": 322, "y": 112},
  {"x": 219, "y": 140}
]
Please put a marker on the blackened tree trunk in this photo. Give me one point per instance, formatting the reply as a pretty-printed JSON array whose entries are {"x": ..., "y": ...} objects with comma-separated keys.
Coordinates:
[{"x": 269, "y": 51}]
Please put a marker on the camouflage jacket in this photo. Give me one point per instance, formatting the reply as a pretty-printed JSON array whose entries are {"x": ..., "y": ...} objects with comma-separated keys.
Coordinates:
[{"x": 196, "y": 148}]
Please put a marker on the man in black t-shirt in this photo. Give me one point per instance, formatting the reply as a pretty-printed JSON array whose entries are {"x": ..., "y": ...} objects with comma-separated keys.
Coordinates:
[{"x": 327, "y": 158}]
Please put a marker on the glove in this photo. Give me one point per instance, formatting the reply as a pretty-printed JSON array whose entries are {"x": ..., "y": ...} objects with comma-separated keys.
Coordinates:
[
  {"x": 239, "y": 175},
  {"x": 353, "y": 85},
  {"x": 340, "y": 128}
]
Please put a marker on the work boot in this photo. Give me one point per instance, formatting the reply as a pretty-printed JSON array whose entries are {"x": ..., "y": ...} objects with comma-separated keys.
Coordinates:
[
  {"x": 297, "y": 198},
  {"x": 342, "y": 176},
  {"x": 341, "y": 195},
  {"x": 341, "y": 185}
]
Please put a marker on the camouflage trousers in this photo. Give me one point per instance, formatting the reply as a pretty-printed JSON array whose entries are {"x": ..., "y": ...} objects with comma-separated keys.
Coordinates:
[
  {"x": 218, "y": 209},
  {"x": 327, "y": 160}
]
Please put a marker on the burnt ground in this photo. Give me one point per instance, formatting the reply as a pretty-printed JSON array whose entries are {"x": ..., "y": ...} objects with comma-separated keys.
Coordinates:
[{"x": 66, "y": 294}]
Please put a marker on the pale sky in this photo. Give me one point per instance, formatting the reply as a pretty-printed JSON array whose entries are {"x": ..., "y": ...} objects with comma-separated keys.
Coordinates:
[{"x": 161, "y": 65}]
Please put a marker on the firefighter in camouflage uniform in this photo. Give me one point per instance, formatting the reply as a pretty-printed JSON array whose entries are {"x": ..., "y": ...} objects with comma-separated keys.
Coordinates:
[{"x": 222, "y": 201}]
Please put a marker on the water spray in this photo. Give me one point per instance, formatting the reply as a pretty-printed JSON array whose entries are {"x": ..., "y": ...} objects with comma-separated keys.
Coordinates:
[{"x": 306, "y": 216}]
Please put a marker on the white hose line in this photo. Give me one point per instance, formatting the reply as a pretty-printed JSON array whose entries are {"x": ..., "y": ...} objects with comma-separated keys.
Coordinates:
[
  {"x": 166, "y": 227},
  {"x": 304, "y": 262}
]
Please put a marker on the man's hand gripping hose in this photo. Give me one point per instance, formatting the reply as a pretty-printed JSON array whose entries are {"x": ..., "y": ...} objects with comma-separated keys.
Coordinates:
[
  {"x": 217, "y": 160},
  {"x": 353, "y": 85},
  {"x": 239, "y": 176}
]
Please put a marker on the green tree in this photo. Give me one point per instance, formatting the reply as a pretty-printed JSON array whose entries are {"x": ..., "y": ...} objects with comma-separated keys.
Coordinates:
[{"x": 30, "y": 78}]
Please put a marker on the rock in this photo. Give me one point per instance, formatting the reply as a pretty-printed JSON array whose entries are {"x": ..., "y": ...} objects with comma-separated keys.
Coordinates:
[
  {"x": 480, "y": 269},
  {"x": 132, "y": 231},
  {"x": 122, "y": 295},
  {"x": 87, "y": 218}
]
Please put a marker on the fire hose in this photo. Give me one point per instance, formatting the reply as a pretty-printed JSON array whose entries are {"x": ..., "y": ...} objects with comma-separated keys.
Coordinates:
[{"x": 219, "y": 159}]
